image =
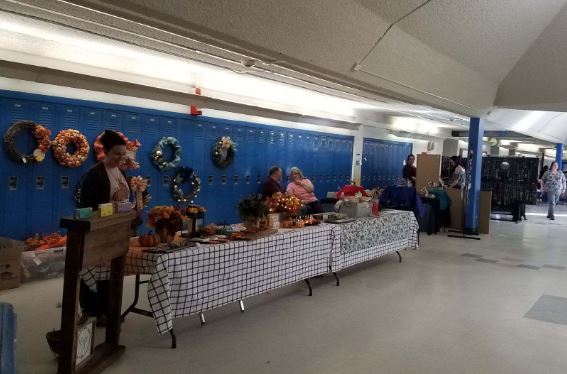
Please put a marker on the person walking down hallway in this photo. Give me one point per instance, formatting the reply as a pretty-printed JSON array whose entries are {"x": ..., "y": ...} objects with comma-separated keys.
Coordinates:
[{"x": 553, "y": 182}]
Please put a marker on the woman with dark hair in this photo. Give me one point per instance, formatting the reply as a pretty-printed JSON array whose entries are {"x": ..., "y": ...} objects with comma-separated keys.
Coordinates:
[
  {"x": 553, "y": 182},
  {"x": 105, "y": 182},
  {"x": 409, "y": 171},
  {"x": 458, "y": 179}
]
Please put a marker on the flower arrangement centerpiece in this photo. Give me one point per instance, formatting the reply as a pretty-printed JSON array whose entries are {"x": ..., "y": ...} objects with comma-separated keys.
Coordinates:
[
  {"x": 285, "y": 204},
  {"x": 167, "y": 220},
  {"x": 251, "y": 209}
]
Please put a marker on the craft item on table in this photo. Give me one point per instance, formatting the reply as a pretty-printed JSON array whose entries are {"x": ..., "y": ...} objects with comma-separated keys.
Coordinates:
[
  {"x": 62, "y": 140},
  {"x": 132, "y": 146},
  {"x": 185, "y": 175},
  {"x": 139, "y": 185},
  {"x": 39, "y": 242},
  {"x": 158, "y": 155},
  {"x": 149, "y": 240},
  {"x": 41, "y": 135},
  {"x": 196, "y": 217},
  {"x": 285, "y": 204},
  {"x": 83, "y": 213},
  {"x": 106, "y": 209},
  {"x": 223, "y": 152},
  {"x": 210, "y": 229},
  {"x": 251, "y": 209},
  {"x": 167, "y": 220},
  {"x": 124, "y": 206}
]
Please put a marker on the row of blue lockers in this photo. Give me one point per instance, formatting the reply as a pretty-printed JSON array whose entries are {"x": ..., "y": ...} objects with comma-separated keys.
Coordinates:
[
  {"x": 34, "y": 197},
  {"x": 383, "y": 162}
]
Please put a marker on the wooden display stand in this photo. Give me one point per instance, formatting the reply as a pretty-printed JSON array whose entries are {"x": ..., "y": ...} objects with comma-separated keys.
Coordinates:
[
  {"x": 428, "y": 169},
  {"x": 91, "y": 242},
  {"x": 457, "y": 210}
]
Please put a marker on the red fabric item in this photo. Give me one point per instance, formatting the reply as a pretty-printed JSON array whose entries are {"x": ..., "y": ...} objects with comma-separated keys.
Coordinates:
[{"x": 350, "y": 190}]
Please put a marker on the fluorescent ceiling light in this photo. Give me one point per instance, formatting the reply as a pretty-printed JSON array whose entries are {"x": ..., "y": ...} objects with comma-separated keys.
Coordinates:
[
  {"x": 417, "y": 125},
  {"x": 67, "y": 49}
]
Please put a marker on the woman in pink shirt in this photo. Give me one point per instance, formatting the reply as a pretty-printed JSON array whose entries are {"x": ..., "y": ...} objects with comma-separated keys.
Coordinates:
[{"x": 302, "y": 188}]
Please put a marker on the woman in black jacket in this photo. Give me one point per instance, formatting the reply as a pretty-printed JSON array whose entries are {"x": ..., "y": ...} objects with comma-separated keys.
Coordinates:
[{"x": 103, "y": 183}]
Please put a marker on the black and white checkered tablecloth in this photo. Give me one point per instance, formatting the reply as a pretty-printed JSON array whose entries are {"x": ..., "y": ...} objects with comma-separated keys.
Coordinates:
[
  {"x": 372, "y": 237},
  {"x": 197, "y": 279}
]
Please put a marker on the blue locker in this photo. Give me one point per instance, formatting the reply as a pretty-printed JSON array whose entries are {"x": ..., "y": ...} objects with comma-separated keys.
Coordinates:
[
  {"x": 150, "y": 136},
  {"x": 15, "y": 203},
  {"x": 41, "y": 206},
  {"x": 112, "y": 120}
]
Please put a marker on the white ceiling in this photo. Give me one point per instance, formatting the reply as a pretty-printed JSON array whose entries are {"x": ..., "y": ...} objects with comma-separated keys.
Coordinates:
[{"x": 463, "y": 56}]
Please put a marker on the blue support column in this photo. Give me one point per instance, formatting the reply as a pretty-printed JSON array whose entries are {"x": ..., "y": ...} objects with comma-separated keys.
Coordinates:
[
  {"x": 474, "y": 157},
  {"x": 559, "y": 155}
]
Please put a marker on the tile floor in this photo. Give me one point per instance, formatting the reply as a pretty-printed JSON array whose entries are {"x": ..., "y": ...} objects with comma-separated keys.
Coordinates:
[{"x": 443, "y": 310}]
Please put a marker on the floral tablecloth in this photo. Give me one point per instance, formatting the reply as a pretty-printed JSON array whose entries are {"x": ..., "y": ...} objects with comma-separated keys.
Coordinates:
[{"x": 371, "y": 237}]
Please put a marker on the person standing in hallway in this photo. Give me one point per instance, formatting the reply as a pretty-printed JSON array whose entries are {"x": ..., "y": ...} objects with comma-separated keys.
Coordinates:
[
  {"x": 458, "y": 179},
  {"x": 409, "y": 171},
  {"x": 553, "y": 183}
]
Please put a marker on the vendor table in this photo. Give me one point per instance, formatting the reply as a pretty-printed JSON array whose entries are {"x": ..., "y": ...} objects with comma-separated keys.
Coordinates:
[
  {"x": 196, "y": 279},
  {"x": 372, "y": 237}
]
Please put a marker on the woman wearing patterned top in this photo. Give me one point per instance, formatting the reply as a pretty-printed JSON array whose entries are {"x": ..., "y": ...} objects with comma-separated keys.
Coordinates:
[{"x": 553, "y": 182}]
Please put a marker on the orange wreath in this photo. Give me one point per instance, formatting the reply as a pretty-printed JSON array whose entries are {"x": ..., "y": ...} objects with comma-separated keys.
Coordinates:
[
  {"x": 60, "y": 144},
  {"x": 131, "y": 145}
]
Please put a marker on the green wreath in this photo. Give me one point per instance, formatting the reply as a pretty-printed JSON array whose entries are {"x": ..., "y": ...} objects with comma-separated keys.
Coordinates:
[
  {"x": 158, "y": 156},
  {"x": 38, "y": 132},
  {"x": 223, "y": 152},
  {"x": 185, "y": 175}
]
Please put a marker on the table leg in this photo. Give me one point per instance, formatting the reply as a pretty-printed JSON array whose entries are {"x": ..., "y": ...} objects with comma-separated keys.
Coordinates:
[
  {"x": 241, "y": 304},
  {"x": 309, "y": 285},
  {"x": 202, "y": 318},
  {"x": 173, "y": 339},
  {"x": 133, "y": 307},
  {"x": 399, "y": 255}
]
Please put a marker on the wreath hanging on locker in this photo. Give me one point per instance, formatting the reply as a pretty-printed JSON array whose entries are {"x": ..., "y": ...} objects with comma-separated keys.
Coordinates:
[
  {"x": 40, "y": 133},
  {"x": 158, "y": 153},
  {"x": 62, "y": 141},
  {"x": 185, "y": 175},
  {"x": 223, "y": 152},
  {"x": 132, "y": 147}
]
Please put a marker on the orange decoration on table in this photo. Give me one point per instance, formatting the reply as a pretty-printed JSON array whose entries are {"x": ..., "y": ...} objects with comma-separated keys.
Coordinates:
[{"x": 149, "y": 240}]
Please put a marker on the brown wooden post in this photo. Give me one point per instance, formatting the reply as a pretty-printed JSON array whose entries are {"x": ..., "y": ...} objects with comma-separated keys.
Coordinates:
[{"x": 92, "y": 242}]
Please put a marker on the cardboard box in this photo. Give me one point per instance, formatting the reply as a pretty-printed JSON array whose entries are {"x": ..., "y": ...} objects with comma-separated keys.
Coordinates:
[{"x": 10, "y": 254}]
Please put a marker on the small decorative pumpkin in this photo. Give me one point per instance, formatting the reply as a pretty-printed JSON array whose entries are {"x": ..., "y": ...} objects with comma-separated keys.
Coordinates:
[{"x": 149, "y": 240}]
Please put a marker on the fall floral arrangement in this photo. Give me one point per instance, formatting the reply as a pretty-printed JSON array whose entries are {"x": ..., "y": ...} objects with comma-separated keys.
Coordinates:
[
  {"x": 285, "y": 204},
  {"x": 42, "y": 135},
  {"x": 62, "y": 140},
  {"x": 164, "y": 217},
  {"x": 252, "y": 207}
]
